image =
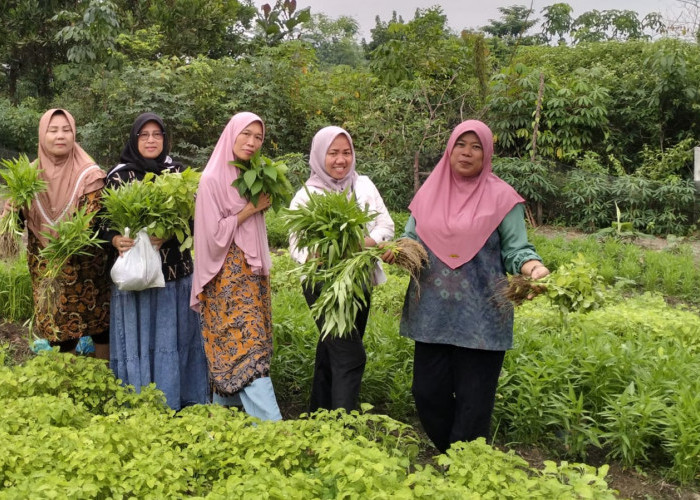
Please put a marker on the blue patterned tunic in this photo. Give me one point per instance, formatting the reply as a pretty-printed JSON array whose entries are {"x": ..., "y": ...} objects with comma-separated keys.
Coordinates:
[{"x": 460, "y": 306}]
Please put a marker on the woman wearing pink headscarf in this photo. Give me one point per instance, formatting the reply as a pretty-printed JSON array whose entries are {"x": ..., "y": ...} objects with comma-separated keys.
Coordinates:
[
  {"x": 340, "y": 362},
  {"x": 473, "y": 226},
  {"x": 73, "y": 180},
  {"x": 231, "y": 285}
]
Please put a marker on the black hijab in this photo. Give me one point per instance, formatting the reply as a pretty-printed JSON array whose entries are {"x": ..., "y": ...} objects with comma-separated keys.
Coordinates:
[{"x": 132, "y": 159}]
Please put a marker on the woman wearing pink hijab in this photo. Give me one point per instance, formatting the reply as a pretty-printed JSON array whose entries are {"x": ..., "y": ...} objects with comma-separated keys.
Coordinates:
[
  {"x": 473, "y": 226},
  {"x": 73, "y": 180},
  {"x": 340, "y": 362},
  {"x": 231, "y": 283}
]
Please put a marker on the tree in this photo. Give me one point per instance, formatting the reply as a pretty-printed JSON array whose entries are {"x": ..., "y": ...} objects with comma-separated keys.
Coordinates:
[
  {"x": 334, "y": 39},
  {"x": 598, "y": 26},
  {"x": 557, "y": 22},
  {"x": 27, "y": 47},
  {"x": 282, "y": 21},
  {"x": 515, "y": 22}
]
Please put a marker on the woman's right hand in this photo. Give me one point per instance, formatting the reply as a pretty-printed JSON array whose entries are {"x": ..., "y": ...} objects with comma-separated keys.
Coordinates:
[
  {"x": 9, "y": 207},
  {"x": 122, "y": 244},
  {"x": 250, "y": 209}
]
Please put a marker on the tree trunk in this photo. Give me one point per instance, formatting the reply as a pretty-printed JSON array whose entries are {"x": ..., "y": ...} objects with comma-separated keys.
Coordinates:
[{"x": 416, "y": 173}]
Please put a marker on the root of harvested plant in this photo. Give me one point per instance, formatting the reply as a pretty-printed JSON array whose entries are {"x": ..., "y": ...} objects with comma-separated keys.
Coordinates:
[
  {"x": 9, "y": 246},
  {"x": 516, "y": 289},
  {"x": 48, "y": 296},
  {"x": 411, "y": 256}
]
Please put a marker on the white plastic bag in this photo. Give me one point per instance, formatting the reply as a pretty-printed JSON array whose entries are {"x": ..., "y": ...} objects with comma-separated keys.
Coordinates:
[{"x": 140, "y": 267}]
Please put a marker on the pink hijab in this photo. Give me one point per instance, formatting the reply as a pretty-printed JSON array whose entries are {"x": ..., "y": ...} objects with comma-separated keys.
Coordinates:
[
  {"x": 319, "y": 178},
  {"x": 215, "y": 218},
  {"x": 68, "y": 179},
  {"x": 455, "y": 215}
]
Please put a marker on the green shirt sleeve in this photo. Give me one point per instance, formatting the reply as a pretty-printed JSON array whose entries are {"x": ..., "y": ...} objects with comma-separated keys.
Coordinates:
[
  {"x": 515, "y": 249},
  {"x": 410, "y": 229}
]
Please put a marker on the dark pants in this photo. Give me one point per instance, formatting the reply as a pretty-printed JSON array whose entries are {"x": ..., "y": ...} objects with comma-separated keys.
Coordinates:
[
  {"x": 340, "y": 362},
  {"x": 455, "y": 390}
]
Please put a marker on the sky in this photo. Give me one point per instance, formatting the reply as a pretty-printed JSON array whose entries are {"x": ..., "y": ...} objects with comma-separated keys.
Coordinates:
[{"x": 469, "y": 13}]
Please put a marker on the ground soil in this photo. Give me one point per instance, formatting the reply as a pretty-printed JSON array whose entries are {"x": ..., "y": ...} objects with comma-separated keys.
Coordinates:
[{"x": 634, "y": 484}]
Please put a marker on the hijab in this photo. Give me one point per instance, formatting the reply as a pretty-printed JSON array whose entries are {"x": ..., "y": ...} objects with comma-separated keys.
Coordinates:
[
  {"x": 319, "y": 178},
  {"x": 215, "y": 218},
  {"x": 132, "y": 160},
  {"x": 455, "y": 215},
  {"x": 68, "y": 178}
]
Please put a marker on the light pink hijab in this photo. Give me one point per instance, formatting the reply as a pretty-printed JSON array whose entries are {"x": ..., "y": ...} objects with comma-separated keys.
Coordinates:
[
  {"x": 317, "y": 160},
  {"x": 455, "y": 215},
  {"x": 216, "y": 209},
  {"x": 68, "y": 179}
]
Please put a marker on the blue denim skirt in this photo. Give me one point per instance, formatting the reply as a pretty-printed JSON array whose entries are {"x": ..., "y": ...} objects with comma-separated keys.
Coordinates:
[{"x": 155, "y": 337}]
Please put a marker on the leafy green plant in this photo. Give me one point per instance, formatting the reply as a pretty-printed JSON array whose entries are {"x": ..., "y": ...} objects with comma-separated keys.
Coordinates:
[
  {"x": 163, "y": 204},
  {"x": 22, "y": 185},
  {"x": 73, "y": 235},
  {"x": 263, "y": 175}
]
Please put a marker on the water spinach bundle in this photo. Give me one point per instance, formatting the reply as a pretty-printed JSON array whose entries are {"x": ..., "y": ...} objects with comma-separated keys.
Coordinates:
[
  {"x": 163, "y": 204},
  {"x": 332, "y": 227},
  {"x": 22, "y": 185},
  {"x": 72, "y": 236},
  {"x": 260, "y": 175}
]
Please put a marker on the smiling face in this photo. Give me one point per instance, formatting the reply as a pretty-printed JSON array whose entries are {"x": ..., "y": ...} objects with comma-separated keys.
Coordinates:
[
  {"x": 467, "y": 158},
  {"x": 150, "y": 141},
  {"x": 339, "y": 157},
  {"x": 248, "y": 141},
  {"x": 59, "y": 136}
]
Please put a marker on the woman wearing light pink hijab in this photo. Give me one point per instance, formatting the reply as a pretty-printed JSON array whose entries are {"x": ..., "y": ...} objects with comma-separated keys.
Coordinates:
[
  {"x": 231, "y": 285},
  {"x": 473, "y": 226},
  {"x": 73, "y": 181},
  {"x": 340, "y": 362}
]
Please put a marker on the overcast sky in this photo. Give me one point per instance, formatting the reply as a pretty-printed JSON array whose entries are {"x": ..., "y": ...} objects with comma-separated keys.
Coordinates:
[{"x": 468, "y": 13}]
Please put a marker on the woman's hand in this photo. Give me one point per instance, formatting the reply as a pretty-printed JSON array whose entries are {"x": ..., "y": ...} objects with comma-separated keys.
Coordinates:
[
  {"x": 389, "y": 257},
  {"x": 122, "y": 244},
  {"x": 534, "y": 269},
  {"x": 370, "y": 242},
  {"x": 9, "y": 207},
  {"x": 156, "y": 242},
  {"x": 250, "y": 209}
]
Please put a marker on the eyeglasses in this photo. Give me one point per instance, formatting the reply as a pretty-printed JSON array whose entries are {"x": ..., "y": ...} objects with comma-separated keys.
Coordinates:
[{"x": 144, "y": 136}]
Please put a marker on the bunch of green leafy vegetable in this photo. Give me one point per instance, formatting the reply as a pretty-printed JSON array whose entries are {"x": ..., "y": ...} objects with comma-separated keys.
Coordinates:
[
  {"x": 163, "y": 204},
  {"x": 22, "y": 185},
  {"x": 260, "y": 175}
]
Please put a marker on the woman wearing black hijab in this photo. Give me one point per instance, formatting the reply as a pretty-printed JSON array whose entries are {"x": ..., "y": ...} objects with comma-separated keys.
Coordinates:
[{"x": 154, "y": 333}]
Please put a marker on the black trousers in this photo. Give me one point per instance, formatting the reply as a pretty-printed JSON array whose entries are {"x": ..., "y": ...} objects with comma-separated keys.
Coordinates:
[
  {"x": 340, "y": 362},
  {"x": 455, "y": 390}
]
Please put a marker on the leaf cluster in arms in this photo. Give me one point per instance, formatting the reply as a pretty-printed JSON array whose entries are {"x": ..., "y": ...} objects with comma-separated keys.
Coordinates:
[
  {"x": 260, "y": 175},
  {"x": 163, "y": 204},
  {"x": 22, "y": 185}
]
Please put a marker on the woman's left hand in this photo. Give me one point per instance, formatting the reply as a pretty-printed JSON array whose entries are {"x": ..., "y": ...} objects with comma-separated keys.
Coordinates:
[
  {"x": 156, "y": 242},
  {"x": 534, "y": 269},
  {"x": 370, "y": 242}
]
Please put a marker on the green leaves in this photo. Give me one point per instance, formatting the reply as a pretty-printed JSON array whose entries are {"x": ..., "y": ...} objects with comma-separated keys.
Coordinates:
[
  {"x": 164, "y": 204},
  {"x": 74, "y": 236},
  {"x": 263, "y": 175}
]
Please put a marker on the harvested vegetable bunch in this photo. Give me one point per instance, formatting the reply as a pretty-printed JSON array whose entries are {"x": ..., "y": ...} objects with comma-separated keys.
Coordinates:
[
  {"x": 177, "y": 190},
  {"x": 331, "y": 226},
  {"x": 342, "y": 293},
  {"x": 575, "y": 286},
  {"x": 23, "y": 184},
  {"x": 163, "y": 204},
  {"x": 260, "y": 175},
  {"x": 74, "y": 235}
]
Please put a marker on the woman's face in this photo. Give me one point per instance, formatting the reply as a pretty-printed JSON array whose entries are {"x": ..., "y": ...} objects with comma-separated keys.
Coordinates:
[
  {"x": 339, "y": 157},
  {"x": 248, "y": 141},
  {"x": 150, "y": 141},
  {"x": 59, "y": 136},
  {"x": 467, "y": 156}
]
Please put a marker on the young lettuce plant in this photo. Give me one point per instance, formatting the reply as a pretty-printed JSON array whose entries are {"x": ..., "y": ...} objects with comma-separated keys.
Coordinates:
[
  {"x": 22, "y": 185},
  {"x": 260, "y": 175}
]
